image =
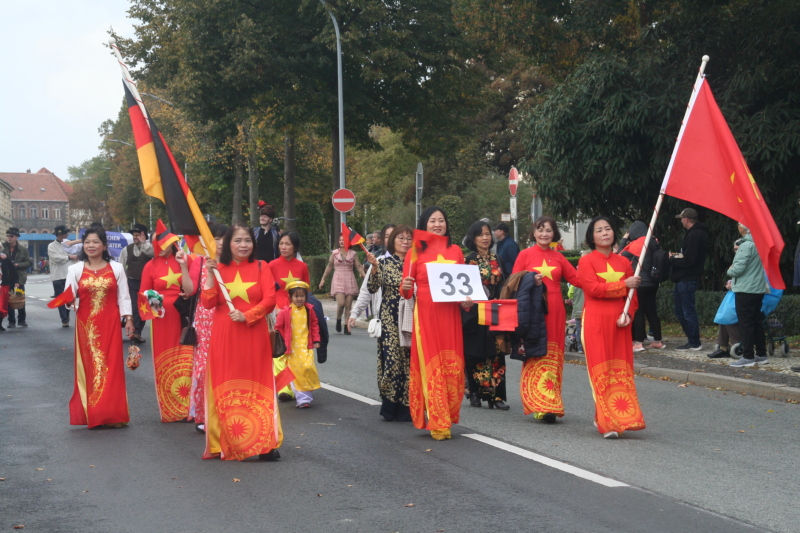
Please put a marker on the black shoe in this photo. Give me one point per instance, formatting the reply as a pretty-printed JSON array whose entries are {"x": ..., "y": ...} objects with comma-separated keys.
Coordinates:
[
  {"x": 719, "y": 354},
  {"x": 137, "y": 339},
  {"x": 285, "y": 397},
  {"x": 273, "y": 455},
  {"x": 683, "y": 347},
  {"x": 474, "y": 401},
  {"x": 11, "y": 325},
  {"x": 550, "y": 418},
  {"x": 201, "y": 428},
  {"x": 2, "y": 328},
  {"x": 23, "y": 324},
  {"x": 338, "y": 325},
  {"x": 794, "y": 368},
  {"x": 65, "y": 324},
  {"x": 500, "y": 404}
]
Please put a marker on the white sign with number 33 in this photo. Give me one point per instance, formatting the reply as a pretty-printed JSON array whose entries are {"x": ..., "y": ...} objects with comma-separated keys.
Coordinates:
[{"x": 454, "y": 283}]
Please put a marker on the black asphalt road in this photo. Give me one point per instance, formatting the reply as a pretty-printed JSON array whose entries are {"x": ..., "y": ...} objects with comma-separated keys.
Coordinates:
[{"x": 342, "y": 469}]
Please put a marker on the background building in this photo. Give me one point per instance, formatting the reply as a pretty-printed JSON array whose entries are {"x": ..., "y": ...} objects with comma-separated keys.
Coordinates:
[
  {"x": 5, "y": 205},
  {"x": 39, "y": 203}
]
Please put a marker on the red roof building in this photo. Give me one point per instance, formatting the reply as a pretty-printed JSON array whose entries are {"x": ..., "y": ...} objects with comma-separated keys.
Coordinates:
[{"x": 39, "y": 200}]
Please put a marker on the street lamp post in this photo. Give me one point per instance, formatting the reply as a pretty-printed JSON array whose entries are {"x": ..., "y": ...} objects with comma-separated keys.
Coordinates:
[{"x": 341, "y": 99}]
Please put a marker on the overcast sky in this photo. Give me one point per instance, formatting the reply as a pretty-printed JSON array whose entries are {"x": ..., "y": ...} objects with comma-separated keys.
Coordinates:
[{"x": 58, "y": 82}]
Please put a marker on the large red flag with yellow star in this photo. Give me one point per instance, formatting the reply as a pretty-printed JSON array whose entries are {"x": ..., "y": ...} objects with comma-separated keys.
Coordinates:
[
  {"x": 425, "y": 243},
  {"x": 708, "y": 169}
]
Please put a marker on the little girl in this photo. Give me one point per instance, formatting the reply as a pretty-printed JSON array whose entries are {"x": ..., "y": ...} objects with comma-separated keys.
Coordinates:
[{"x": 299, "y": 326}]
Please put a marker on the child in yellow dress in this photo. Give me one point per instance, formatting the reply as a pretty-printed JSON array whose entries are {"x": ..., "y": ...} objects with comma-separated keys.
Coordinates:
[{"x": 299, "y": 326}]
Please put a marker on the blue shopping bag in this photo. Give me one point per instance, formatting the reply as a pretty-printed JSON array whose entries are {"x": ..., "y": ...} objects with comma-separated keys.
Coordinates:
[{"x": 726, "y": 314}]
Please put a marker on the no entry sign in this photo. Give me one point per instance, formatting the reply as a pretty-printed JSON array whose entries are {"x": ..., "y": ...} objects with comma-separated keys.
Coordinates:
[
  {"x": 344, "y": 200},
  {"x": 513, "y": 180}
]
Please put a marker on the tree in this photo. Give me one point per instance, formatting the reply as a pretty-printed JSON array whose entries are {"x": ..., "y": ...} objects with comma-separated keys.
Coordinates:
[{"x": 311, "y": 227}]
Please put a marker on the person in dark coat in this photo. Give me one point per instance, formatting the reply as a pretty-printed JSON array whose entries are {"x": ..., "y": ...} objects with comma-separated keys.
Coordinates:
[
  {"x": 8, "y": 280},
  {"x": 632, "y": 244},
  {"x": 686, "y": 270}
]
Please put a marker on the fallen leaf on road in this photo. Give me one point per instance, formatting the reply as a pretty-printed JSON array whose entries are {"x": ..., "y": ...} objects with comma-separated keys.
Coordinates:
[
  {"x": 682, "y": 385},
  {"x": 349, "y": 485},
  {"x": 717, "y": 450},
  {"x": 770, "y": 410},
  {"x": 297, "y": 448},
  {"x": 236, "y": 480},
  {"x": 429, "y": 450},
  {"x": 319, "y": 495},
  {"x": 741, "y": 431},
  {"x": 173, "y": 478},
  {"x": 40, "y": 469},
  {"x": 20, "y": 526},
  {"x": 663, "y": 378},
  {"x": 91, "y": 466},
  {"x": 2, "y": 479},
  {"x": 86, "y": 491},
  {"x": 409, "y": 505},
  {"x": 49, "y": 480}
]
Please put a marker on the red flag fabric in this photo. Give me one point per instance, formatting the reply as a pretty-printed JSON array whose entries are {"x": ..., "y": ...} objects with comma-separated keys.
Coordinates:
[
  {"x": 145, "y": 311},
  {"x": 424, "y": 244},
  {"x": 708, "y": 169},
  {"x": 350, "y": 237},
  {"x": 163, "y": 238},
  {"x": 499, "y": 315},
  {"x": 64, "y": 298},
  {"x": 283, "y": 378},
  {"x": 162, "y": 178},
  {"x": 635, "y": 247}
]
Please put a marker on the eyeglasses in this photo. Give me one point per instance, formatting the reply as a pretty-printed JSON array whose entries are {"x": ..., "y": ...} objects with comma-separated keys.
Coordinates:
[{"x": 404, "y": 239}]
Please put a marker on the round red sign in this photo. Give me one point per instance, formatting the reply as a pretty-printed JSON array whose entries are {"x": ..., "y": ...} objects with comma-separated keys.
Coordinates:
[
  {"x": 513, "y": 180},
  {"x": 344, "y": 200}
]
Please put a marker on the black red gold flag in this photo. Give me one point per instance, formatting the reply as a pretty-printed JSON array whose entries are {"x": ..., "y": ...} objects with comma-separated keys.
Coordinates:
[{"x": 499, "y": 315}]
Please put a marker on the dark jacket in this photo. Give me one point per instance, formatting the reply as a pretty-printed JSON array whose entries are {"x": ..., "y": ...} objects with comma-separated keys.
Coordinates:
[
  {"x": 22, "y": 258},
  {"x": 10, "y": 275},
  {"x": 531, "y": 311},
  {"x": 322, "y": 351},
  {"x": 638, "y": 230},
  {"x": 507, "y": 252},
  {"x": 264, "y": 254},
  {"x": 695, "y": 245}
]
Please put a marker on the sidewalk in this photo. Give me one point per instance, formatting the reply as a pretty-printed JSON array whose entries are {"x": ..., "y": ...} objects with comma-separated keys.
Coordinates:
[{"x": 775, "y": 380}]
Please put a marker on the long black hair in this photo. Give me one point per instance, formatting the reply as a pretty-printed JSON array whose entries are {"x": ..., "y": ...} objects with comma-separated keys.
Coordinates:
[
  {"x": 227, "y": 256},
  {"x": 101, "y": 234},
  {"x": 422, "y": 223}
]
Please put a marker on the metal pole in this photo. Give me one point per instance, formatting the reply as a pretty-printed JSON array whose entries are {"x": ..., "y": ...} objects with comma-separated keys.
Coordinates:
[
  {"x": 341, "y": 101},
  {"x": 418, "y": 187}
]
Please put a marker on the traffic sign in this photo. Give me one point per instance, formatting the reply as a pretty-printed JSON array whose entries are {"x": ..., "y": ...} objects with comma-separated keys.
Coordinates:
[
  {"x": 513, "y": 180},
  {"x": 505, "y": 217},
  {"x": 513, "y": 206},
  {"x": 344, "y": 200}
]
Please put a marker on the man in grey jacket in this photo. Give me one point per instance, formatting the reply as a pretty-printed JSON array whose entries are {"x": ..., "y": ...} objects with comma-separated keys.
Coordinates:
[
  {"x": 22, "y": 262},
  {"x": 60, "y": 261}
]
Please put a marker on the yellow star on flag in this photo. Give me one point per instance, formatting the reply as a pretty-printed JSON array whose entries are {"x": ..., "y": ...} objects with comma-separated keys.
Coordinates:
[
  {"x": 544, "y": 270},
  {"x": 290, "y": 278},
  {"x": 143, "y": 308},
  {"x": 610, "y": 275},
  {"x": 173, "y": 278},
  {"x": 237, "y": 287},
  {"x": 440, "y": 259}
]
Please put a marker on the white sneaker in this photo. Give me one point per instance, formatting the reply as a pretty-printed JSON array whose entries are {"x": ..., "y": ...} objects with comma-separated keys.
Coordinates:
[
  {"x": 743, "y": 363},
  {"x": 611, "y": 435}
]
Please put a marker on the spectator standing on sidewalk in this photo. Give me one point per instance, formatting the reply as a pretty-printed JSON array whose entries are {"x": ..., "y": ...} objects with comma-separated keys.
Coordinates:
[
  {"x": 60, "y": 261},
  {"x": 8, "y": 280},
  {"x": 686, "y": 271},
  {"x": 267, "y": 235},
  {"x": 749, "y": 284},
  {"x": 507, "y": 249},
  {"x": 133, "y": 259},
  {"x": 22, "y": 262},
  {"x": 632, "y": 244}
]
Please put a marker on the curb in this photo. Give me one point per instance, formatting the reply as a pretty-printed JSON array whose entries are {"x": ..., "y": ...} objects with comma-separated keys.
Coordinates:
[{"x": 772, "y": 391}]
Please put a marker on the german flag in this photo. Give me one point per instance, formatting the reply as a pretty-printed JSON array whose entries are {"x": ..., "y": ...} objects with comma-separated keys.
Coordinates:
[
  {"x": 163, "y": 238},
  {"x": 162, "y": 179},
  {"x": 499, "y": 315},
  {"x": 351, "y": 238}
]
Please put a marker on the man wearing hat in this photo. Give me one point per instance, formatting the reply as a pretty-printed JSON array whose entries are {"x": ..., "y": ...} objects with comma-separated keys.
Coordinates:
[
  {"x": 22, "y": 262},
  {"x": 60, "y": 261},
  {"x": 686, "y": 271},
  {"x": 133, "y": 259},
  {"x": 267, "y": 235},
  {"x": 507, "y": 249}
]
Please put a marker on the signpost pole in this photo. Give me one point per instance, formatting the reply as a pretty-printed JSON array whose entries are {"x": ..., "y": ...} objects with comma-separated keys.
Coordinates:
[
  {"x": 513, "y": 181},
  {"x": 418, "y": 187}
]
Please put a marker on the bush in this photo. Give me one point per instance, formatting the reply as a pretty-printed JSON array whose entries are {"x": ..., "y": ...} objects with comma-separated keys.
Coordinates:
[
  {"x": 310, "y": 225},
  {"x": 456, "y": 216}
]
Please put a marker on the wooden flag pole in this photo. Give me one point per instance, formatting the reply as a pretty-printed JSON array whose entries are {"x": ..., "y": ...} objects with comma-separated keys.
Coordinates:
[{"x": 664, "y": 186}]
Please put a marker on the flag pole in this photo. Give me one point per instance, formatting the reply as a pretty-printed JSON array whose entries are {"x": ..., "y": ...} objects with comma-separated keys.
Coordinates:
[
  {"x": 695, "y": 90},
  {"x": 126, "y": 78}
]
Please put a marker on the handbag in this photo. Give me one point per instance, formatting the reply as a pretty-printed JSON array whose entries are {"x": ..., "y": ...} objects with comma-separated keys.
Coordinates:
[
  {"x": 188, "y": 336},
  {"x": 374, "y": 328},
  {"x": 278, "y": 344},
  {"x": 726, "y": 313}
]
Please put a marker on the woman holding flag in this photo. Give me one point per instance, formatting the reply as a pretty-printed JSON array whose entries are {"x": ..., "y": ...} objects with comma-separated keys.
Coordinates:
[
  {"x": 540, "y": 381},
  {"x": 436, "y": 386},
  {"x": 168, "y": 273},
  {"x": 242, "y": 419},
  {"x": 343, "y": 285}
]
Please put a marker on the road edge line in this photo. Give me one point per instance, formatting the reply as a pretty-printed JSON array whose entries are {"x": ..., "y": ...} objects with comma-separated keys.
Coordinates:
[{"x": 353, "y": 395}]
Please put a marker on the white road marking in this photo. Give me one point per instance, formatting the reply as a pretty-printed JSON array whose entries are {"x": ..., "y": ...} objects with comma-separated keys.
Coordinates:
[
  {"x": 353, "y": 395},
  {"x": 558, "y": 465}
]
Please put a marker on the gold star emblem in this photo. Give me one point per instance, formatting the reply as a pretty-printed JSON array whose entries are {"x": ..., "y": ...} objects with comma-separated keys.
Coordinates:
[
  {"x": 544, "y": 270},
  {"x": 440, "y": 259},
  {"x": 237, "y": 287},
  {"x": 610, "y": 275},
  {"x": 144, "y": 309},
  {"x": 290, "y": 278},
  {"x": 173, "y": 278}
]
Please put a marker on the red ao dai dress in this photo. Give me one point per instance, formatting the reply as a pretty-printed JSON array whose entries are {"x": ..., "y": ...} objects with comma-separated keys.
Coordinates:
[{"x": 540, "y": 382}]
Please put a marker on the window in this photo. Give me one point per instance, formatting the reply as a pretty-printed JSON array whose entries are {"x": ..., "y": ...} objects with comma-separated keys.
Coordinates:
[
  {"x": 33, "y": 231},
  {"x": 57, "y": 213},
  {"x": 34, "y": 211},
  {"x": 45, "y": 231},
  {"x": 22, "y": 212},
  {"x": 45, "y": 212}
]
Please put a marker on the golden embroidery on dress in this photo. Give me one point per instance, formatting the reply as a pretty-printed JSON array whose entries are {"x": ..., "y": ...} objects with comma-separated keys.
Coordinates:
[{"x": 97, "y": 287}]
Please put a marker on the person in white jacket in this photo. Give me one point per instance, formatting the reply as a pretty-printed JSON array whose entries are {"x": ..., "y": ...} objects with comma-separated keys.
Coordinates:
[
  {"x": 60, "y": 261},
  {"x": 366, "y": 300}
]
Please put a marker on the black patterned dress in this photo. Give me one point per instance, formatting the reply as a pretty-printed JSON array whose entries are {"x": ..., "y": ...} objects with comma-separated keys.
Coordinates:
[
  {"x": 485, "y": 368},
  {"x": 393, "y": 360}
]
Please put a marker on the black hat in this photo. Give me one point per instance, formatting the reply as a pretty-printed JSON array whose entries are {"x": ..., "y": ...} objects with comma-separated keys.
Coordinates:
[
  {"x": 61, "y": 230},
  {"x": 503, "y": 226},
  {"x": 13, "y": 231},
  {"x": 140, "y": 228},
  {"x": 689, "y": 213}
]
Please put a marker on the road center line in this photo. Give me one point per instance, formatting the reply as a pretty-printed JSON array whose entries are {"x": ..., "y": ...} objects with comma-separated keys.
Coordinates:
[
  {"x": 558, "y": 465},
  {"x": 353, "y": 395}
]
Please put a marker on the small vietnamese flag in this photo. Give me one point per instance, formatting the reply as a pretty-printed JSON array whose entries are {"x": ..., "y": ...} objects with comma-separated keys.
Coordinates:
[
  {"x": 499, "y": 315},
  {"x": 145, "y": 311},
  {"x": 64, "y": 298}
]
